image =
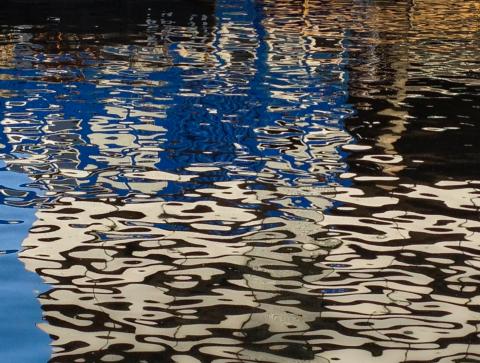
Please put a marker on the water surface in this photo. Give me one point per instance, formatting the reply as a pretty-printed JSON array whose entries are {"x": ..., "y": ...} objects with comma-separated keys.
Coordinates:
[{"x": 241, "y": 181}]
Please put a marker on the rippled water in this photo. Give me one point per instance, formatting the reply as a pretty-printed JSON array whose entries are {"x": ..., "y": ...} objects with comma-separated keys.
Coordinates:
[{"x": 240, "y": 181}]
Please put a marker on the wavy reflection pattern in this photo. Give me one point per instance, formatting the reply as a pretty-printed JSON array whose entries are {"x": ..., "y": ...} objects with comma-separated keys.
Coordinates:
[{"x": 188, "y": 163}]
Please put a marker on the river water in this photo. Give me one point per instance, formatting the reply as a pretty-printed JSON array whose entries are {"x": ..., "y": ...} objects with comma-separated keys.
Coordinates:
[{"x": 240, "y": 181}]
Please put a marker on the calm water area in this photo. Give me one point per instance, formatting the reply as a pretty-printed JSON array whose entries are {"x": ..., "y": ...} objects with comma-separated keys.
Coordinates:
[{"x": 229, "y": 181}]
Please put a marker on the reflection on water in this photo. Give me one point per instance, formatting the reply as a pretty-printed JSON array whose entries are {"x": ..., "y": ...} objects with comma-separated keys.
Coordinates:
[{"x": 248, "y": 182}]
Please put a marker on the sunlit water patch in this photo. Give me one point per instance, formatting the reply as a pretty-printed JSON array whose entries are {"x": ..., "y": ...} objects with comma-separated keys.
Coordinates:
[{"x": 240, "y": 182}]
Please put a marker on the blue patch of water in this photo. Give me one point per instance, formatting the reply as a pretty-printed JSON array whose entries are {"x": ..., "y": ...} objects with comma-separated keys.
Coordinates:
[{"x": 21, "y": 340}]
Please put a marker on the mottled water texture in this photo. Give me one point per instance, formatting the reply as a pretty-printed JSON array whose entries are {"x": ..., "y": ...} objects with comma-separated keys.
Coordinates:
[{"x": 240, "y": 181}]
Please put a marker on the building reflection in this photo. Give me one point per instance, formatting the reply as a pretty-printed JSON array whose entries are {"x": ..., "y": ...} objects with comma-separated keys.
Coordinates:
[
  {"x": 190, "y": 153},
  {"x": 392, "y": 46},
  {"x": 181, "y": 126}
]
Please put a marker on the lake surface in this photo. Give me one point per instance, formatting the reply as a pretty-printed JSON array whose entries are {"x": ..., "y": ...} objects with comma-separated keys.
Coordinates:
[{"x": 240, "y": 181}]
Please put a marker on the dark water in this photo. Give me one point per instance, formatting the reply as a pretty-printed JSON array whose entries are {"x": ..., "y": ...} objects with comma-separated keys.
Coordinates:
[{"x": 240, "y": 181}]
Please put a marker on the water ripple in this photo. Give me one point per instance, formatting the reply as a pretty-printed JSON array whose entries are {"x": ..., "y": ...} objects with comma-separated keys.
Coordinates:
[{"x": 247, "y": 181}]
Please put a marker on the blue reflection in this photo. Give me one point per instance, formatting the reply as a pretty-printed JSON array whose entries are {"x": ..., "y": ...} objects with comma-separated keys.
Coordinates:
[
  {"x": 91, "y": 129},
  {"x": 20, "y": 339}
]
